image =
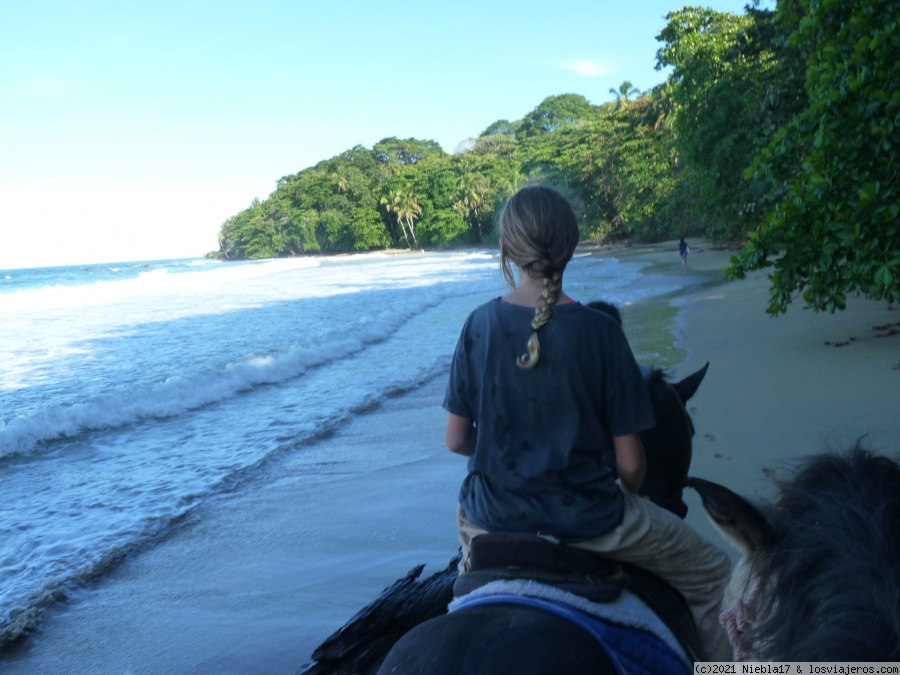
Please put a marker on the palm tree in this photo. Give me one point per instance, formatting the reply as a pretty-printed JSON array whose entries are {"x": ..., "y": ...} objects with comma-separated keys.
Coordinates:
[
  {"x": 473, "y": 188},
  {"x": 624, "y": 93},
  {"x": 406, "y": 209},
  {"x": 391, "y": 203},
  {"x": 410, "y": 211}
]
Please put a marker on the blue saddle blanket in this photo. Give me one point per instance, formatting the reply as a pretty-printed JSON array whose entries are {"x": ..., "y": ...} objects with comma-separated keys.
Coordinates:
[{"x": 632, "y": 651}]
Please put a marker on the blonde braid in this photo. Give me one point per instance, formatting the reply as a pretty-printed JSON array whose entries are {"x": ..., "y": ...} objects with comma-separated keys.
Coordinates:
[
  {"x": 542, "y": 313},
  {"x": 538, "y": 232}
]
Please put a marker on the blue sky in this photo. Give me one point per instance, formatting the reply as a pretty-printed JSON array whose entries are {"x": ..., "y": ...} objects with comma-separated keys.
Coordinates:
[{"x": 132, "y": 130}]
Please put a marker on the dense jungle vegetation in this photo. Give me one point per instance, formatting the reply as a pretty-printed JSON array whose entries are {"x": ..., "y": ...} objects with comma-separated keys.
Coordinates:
[{"x": 778, "y": 129}]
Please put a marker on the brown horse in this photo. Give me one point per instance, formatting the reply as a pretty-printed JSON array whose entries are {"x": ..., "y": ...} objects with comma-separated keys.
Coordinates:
[{"x": 820, "y": 574}]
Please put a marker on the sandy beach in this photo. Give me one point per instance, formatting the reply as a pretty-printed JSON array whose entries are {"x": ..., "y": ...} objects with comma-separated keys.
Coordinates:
[{"x": 254, "y": 582}]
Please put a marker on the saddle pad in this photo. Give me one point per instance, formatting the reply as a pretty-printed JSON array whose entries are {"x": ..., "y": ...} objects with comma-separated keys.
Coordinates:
[{"x": 626, "y": 611}]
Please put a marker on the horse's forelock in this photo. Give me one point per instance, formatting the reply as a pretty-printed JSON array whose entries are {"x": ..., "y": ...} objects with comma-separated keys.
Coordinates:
[{"x": 832, "y": 585}]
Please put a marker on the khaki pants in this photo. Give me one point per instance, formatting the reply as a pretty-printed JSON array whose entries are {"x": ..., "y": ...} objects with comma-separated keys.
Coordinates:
[{"x": 659, "y": 542}]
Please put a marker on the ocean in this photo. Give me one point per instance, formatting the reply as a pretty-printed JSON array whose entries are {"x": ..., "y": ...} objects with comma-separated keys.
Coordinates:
[{"x": 131, "y": 393}]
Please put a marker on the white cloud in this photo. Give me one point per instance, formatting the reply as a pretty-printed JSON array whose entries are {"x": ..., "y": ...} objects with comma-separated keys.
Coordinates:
[{"x": 587, "y": 68}]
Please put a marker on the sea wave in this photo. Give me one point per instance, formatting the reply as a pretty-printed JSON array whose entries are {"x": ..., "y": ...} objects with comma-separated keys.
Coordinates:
[
  {"x": 39, "y": 572},
  {"x": 183, "y": 392},
  {"x": 26, "y": 594},
  {"x": 155, "y": 281}
]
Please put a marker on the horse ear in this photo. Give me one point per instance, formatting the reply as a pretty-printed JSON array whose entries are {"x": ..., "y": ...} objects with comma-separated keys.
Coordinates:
[
  {"x": 736, "y": 518},
  {"x": 689, "y": 385}
]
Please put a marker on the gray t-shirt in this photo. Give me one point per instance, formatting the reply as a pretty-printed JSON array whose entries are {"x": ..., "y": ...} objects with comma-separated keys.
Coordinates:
[{"x": 541, "y": 433}]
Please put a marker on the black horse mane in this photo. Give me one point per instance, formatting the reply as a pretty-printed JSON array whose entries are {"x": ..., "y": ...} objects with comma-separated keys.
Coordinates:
[{"x": 831, "y": 578}]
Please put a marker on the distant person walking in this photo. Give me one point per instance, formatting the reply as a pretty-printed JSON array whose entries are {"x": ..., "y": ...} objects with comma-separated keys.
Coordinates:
[{"x": 683, "y": 250}]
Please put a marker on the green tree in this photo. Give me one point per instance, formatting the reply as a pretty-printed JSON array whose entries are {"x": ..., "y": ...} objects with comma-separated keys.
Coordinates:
[
  {"x": 472, "y": 188},
  {"x": 443, "y": 228},
  {"x": 504, "y": 127},
  {"x": 405, "y": 151},
  {"x": 615, "y": 164},
  {"x": 497, "y": 145},
  {"x": 367, "y": 230},
  {"x": 266, "y": 230},
  {"x": 836, "y": 230},
  {"x": 340, "y": 182},
  {"x": 435, "y": 184},
  {"x": 625, "y": 93},
  {"x": 555, "y": 112},
  {"x": 406, "y": 209},
  {"x": 619, "y": 166},
  {"x": 718, "y": 86}
]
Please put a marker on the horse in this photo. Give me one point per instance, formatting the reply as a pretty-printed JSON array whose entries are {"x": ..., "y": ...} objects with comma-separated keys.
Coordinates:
[
  {"x": 408, "y": 629},
  {"x": 669, "y": 445},
  {"x": 819, "y": 578}
]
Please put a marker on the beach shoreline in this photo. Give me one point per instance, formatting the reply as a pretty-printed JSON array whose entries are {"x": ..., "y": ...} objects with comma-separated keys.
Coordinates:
[{"x": 252, "y": 583}]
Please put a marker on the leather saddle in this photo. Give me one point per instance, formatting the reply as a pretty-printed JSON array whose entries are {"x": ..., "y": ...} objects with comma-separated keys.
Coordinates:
[{"x": 505, "y": 556}]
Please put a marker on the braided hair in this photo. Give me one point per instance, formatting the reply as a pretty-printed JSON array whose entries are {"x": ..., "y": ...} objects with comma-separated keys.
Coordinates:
[{"x": 538, "y": 233}]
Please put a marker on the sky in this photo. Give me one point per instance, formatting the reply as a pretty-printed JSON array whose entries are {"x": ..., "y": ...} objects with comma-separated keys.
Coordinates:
[{"x": 132, "y": 130}]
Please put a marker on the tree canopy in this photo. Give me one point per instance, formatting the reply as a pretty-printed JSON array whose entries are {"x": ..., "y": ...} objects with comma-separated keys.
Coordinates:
[
  {"x": 776, "y": 129},
  {"x": 786, "y": 123},
  {"x": 410, "y": 193},
  {"x": 554, "y": 113},
  {"x": 834, "y": 229}
]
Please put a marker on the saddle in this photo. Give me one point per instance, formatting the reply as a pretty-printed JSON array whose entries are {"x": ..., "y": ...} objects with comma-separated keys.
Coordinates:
[{"x": 500, "y": 556}]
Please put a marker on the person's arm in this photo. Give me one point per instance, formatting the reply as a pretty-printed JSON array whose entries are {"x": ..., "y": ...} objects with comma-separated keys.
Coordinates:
[
  {"x": 631, "y": 463},
  {"x": 460, "y": 435}
]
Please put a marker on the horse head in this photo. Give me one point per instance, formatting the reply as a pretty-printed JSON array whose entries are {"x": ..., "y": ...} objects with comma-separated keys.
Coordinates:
[
  {"x": 669, "y": 444},
  {"x": 819, "y": 579}
]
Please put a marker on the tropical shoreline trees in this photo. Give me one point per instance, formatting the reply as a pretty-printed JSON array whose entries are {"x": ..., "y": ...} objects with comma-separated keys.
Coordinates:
[
  {"x": 777, "y": 129},
  {"x": 409, "y": 193},
  {"x": 834, "y": 228}
]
